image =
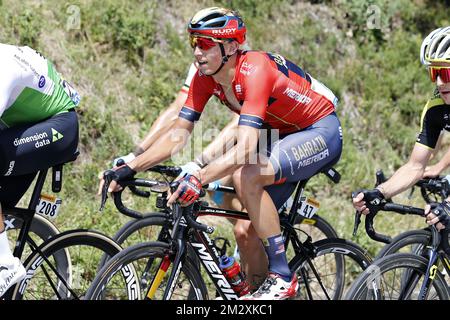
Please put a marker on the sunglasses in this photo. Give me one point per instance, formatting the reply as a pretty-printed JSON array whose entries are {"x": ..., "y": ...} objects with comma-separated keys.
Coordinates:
[
  {"x": 203, "y": 43},
  {"x": 443, "y": 72}
]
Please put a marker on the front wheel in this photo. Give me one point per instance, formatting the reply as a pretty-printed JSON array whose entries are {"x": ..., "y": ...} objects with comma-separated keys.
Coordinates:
[
  {"x": 397, "y": 277},
  {"x": 413, "y": 241},
  {"x": 153, "y": 264},
  {"x": 47, "y": 278}
]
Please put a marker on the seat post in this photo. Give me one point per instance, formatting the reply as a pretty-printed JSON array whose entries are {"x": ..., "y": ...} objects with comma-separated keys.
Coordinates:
[
  {"x": 37, "y": 190},
  {"x": 28, "y": 214},
  {"x": 298, "y": 193}
]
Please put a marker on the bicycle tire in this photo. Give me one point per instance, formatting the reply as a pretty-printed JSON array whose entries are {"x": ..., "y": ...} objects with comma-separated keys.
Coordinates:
[
  {"x": 348, "y": 252},
  {"x": 133, "y": 226},
  {"x": 318, "y": 223},
  {"x": 416, "y": 238},
  {"x": 131, "y": 255},
  {"x": 63, "y": 242},
  {"x": 414, "y": 264},
  {"x": 40, "y": 226}
]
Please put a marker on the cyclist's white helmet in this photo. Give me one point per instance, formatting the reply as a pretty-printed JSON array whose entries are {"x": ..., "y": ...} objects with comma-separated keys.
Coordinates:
[{"x": 436, "y": 47}]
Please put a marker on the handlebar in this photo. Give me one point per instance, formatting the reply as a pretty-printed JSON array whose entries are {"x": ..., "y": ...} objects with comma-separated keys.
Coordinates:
[
  {"x": 401, "y": 209},
  {"x": 109, "y": 176},
  {"x": 171, "y": 171},
  {"x": 439, "y": 185},
  {"x": 398, "y": 208}
]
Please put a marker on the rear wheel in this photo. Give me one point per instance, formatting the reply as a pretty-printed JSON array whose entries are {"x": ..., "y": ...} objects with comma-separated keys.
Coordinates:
[
  {"x": 337, "y": 261},
  {"x": 317, "y": 227},
  {"x": 41, "y": 229}
]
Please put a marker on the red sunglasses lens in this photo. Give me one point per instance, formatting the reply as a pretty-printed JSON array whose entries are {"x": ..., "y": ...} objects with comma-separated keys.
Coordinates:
[
  {"x": 203, "y": 43},
  {"x": 443, "y": 73}
]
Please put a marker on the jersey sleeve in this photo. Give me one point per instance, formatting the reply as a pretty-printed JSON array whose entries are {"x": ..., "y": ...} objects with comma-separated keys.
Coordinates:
[
  {"x": 431, "y": 125},
  {"x": 8, "y": 79},
  {"x": 187, "y": 83},
  {"x": 199, "y": 93},
  {"x": 258, "y": 80}
]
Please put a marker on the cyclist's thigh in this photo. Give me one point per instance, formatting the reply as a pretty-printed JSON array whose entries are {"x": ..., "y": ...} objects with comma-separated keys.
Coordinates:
[
  {"x": 12, "y": 188},
  {"x": 302, "y": 154},
  {"x": 280, "y": 192},
  {"x": 29, "y": 148}
]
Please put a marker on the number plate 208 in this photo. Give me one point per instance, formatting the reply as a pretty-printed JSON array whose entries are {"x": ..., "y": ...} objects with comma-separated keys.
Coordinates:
[{"x": 48, "y": 206}]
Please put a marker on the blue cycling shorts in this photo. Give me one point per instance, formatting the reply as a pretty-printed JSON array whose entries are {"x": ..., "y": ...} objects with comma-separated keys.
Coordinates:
[{"x": 300, "y": 155}]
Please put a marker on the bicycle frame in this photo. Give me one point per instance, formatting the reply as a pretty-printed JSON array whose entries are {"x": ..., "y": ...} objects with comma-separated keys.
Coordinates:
[
  {"x": 27, "y": 215},
  {"x": 433, "y": 262},
  {"x": 437, "y": 249},
  {"x": 207, "y": 253},
  {"x": 186, "y": 230}
]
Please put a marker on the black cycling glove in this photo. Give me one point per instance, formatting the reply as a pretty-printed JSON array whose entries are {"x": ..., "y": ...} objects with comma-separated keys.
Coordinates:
[
  {"x": 123, "y": 172},
  {"x": 442, "y": 212},
  {"x": 374, "y": 198}
]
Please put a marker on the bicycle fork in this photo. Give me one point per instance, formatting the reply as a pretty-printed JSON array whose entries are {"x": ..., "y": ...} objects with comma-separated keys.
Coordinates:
[
  {"x": 163, "y": 267},
  {"x": 162, "y": 270}
]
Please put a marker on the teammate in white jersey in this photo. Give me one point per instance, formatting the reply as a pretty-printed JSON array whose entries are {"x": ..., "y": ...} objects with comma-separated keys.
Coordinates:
[{"x": 38, "y": 129}]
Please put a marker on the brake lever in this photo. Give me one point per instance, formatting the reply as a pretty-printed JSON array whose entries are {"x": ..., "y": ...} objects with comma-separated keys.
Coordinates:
[
  {"x": 411, "y": 193},
  {"x": 357, "y": 220},
  {"x": 108, "y": 176}
]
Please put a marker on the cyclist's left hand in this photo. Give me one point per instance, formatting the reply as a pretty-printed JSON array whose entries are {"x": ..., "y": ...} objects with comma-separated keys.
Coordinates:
[
  {"x": 187, "y": 192},
  {"x": 123, "y": 172},
  {"x": 439, "y": 215}
]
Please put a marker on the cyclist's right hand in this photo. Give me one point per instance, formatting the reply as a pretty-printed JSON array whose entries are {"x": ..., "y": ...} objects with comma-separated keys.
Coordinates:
[
  {"x": 188, "y": 168},
  {"x": 438, "y": 214},
  {"x": 125, "y": 159},
  {"x": 366, "y": 199}
]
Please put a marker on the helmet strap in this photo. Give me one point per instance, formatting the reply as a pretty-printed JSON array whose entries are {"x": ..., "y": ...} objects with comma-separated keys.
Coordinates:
[{"x": 224, "y": 58}]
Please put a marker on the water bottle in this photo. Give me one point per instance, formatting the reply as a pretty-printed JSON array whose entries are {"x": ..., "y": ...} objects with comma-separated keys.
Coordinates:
[{"x": 232, "y": 271}]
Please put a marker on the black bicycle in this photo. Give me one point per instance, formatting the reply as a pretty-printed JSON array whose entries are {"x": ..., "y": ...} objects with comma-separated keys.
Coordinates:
[
  {"x": 168, "y": 268},
  {"x": 147, "y": 227},
  {"x": 432, "y": 190},
  {"x": 404, "y": 276},
  {"x": 65, "y": 263}
]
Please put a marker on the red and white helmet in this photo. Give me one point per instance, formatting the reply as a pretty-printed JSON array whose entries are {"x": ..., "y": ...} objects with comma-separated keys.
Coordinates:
[{"x": 218, "y": 23}]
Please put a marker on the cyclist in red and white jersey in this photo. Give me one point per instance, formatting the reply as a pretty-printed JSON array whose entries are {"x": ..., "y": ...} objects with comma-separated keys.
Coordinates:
[{"x": 268, "y": 92}]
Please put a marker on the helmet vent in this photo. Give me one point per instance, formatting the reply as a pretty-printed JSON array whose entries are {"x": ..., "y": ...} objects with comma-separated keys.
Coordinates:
[{"x": 217, "y": 24}]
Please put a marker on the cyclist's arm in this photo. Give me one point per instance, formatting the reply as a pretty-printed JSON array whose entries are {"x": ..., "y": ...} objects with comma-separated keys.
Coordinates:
[
  {"x": 438, "y": 146},
  {"x": 168, "y": 144},
  {"x": 163, "y": 123},
  {"x": 436, "y": 169},
  {"x": 219, "y": 146},
  {"x": 236, "y": 157},
  {"x": 407, "y": 175}
]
